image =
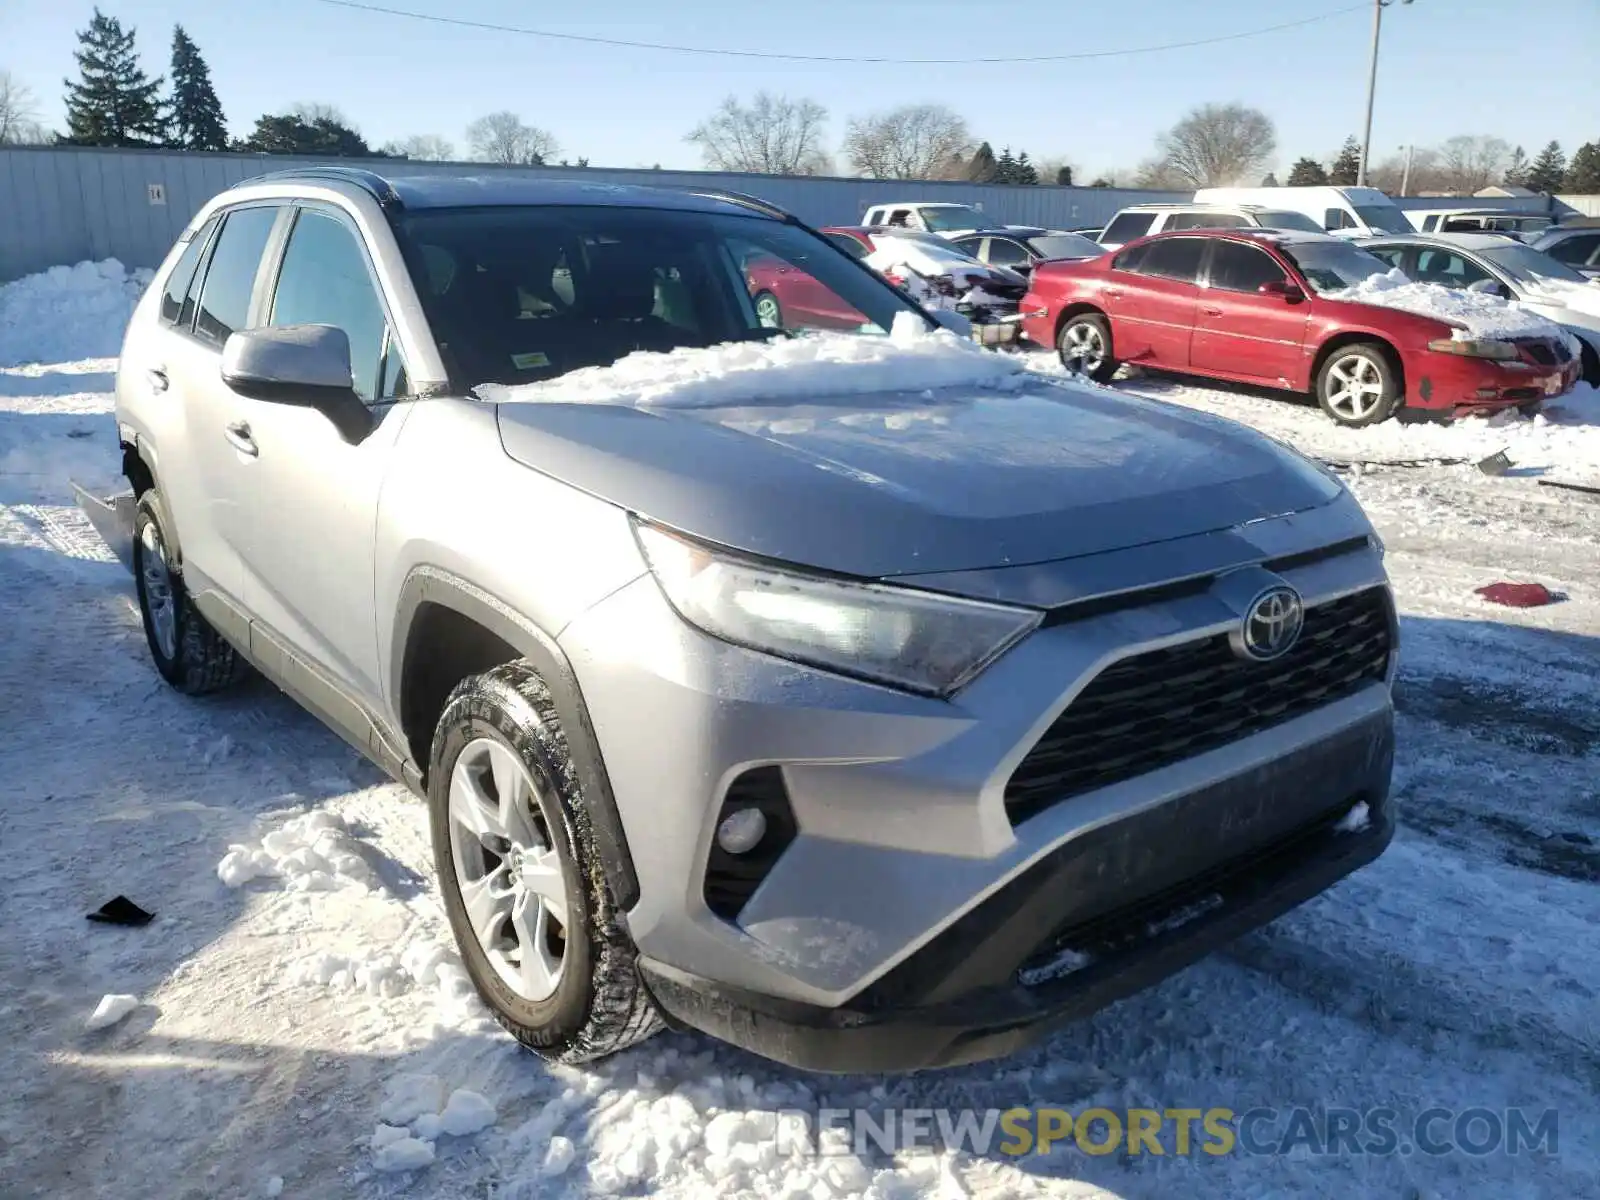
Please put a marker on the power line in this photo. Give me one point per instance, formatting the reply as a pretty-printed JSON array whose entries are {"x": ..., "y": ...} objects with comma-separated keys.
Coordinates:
[{"x": 492, "y": 27}]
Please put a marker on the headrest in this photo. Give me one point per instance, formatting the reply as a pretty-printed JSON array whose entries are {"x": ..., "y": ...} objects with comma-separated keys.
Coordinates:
[{"x": 620, "y": 285}]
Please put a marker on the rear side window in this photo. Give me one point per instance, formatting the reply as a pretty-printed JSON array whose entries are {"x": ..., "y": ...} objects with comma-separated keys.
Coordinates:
[
  {"x": 1337, "y": 218},
  {"x": 1576, "y": 251},
  {"x": 1240, "y": 268},
  {"x": 183, "y": 274},
  {"x": 1126, "y": 226},
  {"x": 1176, "y": 258},
  {"x": 1006, "y": 253},
  {"x": 1429, "y": 224},
  {"x": 225, "y": 299},
  {"x": 324, "y": 281}
]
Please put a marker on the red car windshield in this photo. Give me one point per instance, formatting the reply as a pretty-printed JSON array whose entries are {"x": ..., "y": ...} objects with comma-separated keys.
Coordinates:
[{"x": 1332, "y": 266}]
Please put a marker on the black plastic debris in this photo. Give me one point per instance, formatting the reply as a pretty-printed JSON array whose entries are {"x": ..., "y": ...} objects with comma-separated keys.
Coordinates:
[
  {"x": 1497, "y": 463},
  {"x": 121, "y": 911},
  {"x": 1588, "y": 488}
]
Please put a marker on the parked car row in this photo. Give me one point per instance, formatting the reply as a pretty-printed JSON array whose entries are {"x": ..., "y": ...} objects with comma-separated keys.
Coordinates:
[{"x": 1296, "y": 310}]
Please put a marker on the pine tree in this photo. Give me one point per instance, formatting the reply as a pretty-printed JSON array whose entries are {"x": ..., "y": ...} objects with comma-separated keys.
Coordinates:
[
  {"x": 113, "y": 104},
  {"x": 1024, "y": 172},
  {"x": 1516, "y": 170},
  {"x": 1307, "y": 172},
  {"x": 1063, "y": 176},
  {"x": 982, "y": 167},
  {"x": 1270, "y": 180},
  {"x": 1583, "y": 174},
  {"x": 287, "y": 133},
  {"x": 196, "y": 113},
  {"x": 1548, "y": 170},
  {"x": 1346, "y": 168},
  {"x": 1005, "y": 167}
]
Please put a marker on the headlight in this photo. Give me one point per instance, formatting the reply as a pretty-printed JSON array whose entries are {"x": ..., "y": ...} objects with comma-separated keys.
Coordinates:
[
  {"x": 1500, "y": 351},
  {"x": 918, "y": 641}
]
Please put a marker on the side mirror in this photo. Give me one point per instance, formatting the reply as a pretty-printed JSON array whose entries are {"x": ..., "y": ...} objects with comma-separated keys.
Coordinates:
[
  {"x": 1490, "y": 287},
  {"x": 307, "y": 366},
  {"x": 1290, "y": 292}
]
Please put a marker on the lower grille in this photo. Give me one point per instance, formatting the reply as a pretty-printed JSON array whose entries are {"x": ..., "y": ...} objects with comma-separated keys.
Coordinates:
[{"x": 1161, "y": 707}]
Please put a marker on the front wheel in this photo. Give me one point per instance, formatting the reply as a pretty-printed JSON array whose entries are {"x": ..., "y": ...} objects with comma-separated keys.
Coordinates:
[
  {"x": 1084, "y": 344},
  {"x": 1358, "y": 385},
  {"x": 527, "y": 899}
]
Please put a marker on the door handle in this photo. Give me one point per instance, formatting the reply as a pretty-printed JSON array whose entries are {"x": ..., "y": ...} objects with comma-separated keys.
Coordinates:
[
  {"x": 1113, "y": 293},
  {"x": 1212, "y": 312},
  {"x": 157, "y": 378},
  {"x": 238, "y": 435}
]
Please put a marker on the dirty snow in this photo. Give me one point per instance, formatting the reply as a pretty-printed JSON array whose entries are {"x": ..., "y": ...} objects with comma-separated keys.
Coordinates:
[
  {"x": 1475, "y": 315},
  {"x": 910, "y": 358},
  {"x": 1454, "y": 971}
]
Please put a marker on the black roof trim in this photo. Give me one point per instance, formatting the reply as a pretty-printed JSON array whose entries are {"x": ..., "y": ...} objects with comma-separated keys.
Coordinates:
[{"x": 745, "y": 200}]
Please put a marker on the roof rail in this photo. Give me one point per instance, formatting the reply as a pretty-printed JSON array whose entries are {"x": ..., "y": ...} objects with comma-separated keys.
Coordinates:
[
  {"x": 370, "y": 181},
  {"x": 745, "y": 200}
]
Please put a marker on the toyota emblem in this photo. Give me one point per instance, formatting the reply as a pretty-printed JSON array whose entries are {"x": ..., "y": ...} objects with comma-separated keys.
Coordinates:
[{"x": 1271, "y": 625}]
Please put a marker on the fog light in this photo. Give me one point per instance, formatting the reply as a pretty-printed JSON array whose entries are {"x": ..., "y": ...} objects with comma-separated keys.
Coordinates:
[{"x": 742, "y": 830}]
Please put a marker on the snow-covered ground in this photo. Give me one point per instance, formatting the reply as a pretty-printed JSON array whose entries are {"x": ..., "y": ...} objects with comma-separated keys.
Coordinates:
[{"x": 300, "y": 1028}]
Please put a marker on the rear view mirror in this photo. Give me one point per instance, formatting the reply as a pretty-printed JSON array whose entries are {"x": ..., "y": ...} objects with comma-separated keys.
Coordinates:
[
  {"x": 1289, "y": 292},
  {"x": 303, "y": 365}
]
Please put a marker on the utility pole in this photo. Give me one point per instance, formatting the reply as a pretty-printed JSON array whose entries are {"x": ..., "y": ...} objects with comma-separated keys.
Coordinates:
[
  {"x": 1405, "y": 176},
  {"x": 1372, "y": 84}
]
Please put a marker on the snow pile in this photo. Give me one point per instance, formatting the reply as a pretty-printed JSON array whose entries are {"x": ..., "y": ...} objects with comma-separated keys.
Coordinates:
[
  {"x": 68, "y": 313},
  {"x": 911, "y": 358},
  {"x": 411, "y": 1121},
  {"x": 379, "y": 972},
  {"x": 310, "y": 853},
  {"x": 1476, "y": 315}
]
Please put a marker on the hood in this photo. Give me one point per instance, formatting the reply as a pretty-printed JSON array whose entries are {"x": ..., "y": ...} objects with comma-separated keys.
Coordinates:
[{"x": 908, "y": 483}]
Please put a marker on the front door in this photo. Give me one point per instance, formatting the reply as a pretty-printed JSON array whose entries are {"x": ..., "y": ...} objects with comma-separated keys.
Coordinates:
[
  {"x": 308, "y": 557},
  {"x": 1241, "y": 332}
]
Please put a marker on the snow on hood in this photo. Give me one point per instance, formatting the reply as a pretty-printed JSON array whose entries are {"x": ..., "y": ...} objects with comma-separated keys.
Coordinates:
[
  {"x": 1475, "y": 315},
  {"x": 924, "y": 258},
  {"x": 911, "y": 358}
]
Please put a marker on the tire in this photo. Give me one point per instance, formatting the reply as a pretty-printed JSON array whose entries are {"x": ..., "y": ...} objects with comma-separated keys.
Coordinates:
[
  {"x": 1084, "y": 344},
  {"x": 189, "y": 654},
  {"x": 595, "y": 1004},
  {"x": 1358, "y": 385},
  {"x": 770, "y": 302},
  {"x": 1589, "y": 357}
]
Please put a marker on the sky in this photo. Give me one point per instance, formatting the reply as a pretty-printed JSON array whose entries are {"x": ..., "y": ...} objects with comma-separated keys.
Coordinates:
[{"x": 1447, "y": 67}]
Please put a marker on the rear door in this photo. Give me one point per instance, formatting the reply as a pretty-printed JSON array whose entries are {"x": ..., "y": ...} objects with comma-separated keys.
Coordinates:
[
  {"x": 204, "y": 483},
  {"x": 1239, "y": 331},
  {"x": 1159, "y": 302}
]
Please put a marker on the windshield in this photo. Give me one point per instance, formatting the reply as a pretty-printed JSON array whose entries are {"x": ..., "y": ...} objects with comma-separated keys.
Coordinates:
[
  {"x": 1383, "y": 218},
  {"x": 1332, "y": 266},
  {"x": 1530, "y": 266},
  {"x": 521, "y": 295},
  {"x": 952, "y": 217},
  {"x": 1279, "y": 219},
  {"x": 1065, "y": 245}
]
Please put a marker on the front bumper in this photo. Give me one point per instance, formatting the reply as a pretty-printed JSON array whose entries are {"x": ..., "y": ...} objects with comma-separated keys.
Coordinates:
[
  {"x": 1065, "y": 939},
  {"x": 1448, "y": 385}
]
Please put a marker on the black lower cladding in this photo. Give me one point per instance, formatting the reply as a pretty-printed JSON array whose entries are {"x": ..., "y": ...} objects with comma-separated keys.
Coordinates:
[
  {"x": 1124, "y": 905},
  {"x": 1157, "y": 708}
]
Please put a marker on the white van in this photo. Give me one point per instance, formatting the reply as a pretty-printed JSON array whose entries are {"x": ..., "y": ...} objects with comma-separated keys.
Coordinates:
[{"x": 1343, "y": 211}]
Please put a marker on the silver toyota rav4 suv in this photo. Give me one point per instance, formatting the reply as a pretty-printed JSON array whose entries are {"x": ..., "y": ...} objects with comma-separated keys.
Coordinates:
[{"x": 866, "y": 732}]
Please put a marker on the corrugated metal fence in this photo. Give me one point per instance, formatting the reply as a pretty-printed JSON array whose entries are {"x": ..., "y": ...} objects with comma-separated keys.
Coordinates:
[{"x": 63, "y": 205}]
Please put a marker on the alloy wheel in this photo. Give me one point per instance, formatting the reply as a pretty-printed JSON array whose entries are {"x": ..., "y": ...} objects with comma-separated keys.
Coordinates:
[
  {"x": 1355, "y": 387},
  {"x": 512, "y": 882},
  {"x": 1083, "y": 349},
  {"x": 159, "y": 600}
]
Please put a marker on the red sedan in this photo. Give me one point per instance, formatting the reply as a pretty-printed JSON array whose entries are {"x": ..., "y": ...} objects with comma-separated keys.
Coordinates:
[{"x": 1264, "y": 307}]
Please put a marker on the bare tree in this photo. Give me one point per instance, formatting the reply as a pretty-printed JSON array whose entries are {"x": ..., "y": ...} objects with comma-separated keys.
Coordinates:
[
  {"x": 422, "y": 147},
  {"x": 919, "y": 141},
  {"x": 313, "y": 111},
  {"x": 1161, "y": 173},
  {"x": 1474, "y": 162},
  {"x": 772, "y": 135},
  {"x": 501, "y": 137},
  {"x": 1215, "y": 145},
  {"x": 1427, "y": 173},
  {"x": 19, "y": 119}
]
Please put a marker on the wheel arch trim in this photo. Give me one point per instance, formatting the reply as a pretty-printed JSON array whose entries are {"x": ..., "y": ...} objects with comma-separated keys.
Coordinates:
[{"x": 428, "y": 584}]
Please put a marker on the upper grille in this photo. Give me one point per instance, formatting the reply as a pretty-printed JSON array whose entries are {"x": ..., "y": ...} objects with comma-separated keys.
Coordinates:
[{"x": 1161, "y": 707}]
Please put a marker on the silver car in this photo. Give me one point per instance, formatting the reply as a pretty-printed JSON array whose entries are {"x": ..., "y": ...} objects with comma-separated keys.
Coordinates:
[{"x": 866, "y": 732}]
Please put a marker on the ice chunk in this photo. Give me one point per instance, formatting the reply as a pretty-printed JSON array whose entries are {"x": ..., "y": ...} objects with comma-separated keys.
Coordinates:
[
  {"x": 409, "y": 1096},
  {"x": 112, "y": 1009},
  {"x": 466, "y": 1114},
  {"x": 558, "y": 1156},
  {"x": 406, "y": 1154}
]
